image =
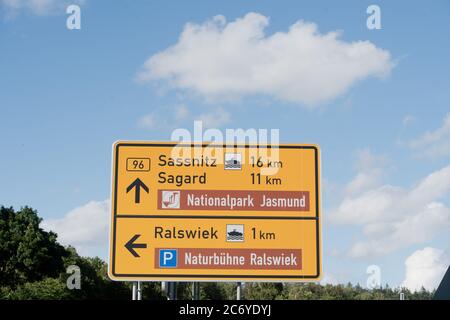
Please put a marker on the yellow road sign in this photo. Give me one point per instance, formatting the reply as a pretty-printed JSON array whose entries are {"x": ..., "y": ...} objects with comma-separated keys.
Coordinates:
[{"x": 187, "y": 212}]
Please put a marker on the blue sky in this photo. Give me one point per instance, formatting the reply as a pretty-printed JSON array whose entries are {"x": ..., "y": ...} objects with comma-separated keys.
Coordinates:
[{"x": 67, "y": 95}]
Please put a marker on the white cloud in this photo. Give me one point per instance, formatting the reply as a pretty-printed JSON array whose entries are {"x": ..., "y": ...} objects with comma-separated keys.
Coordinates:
[
  {"x": 215, "y": 118},
  {"x": 363, "y": 181},
  {"x": 425, "y": 268},
  {"x": 39, "y": 7},
  {"x": 175, "y": 117},
  {"x": 85, "y": 228},
  {"x": 414, "y": 228},
  {"x": 393, "y": 217},
  {"x": 329, "y": 278},
  {"x": 148, "y": 121},
  {"x": 220, "y": 60},
  {"x": 370, "y": 172},
  {"x": 433, "y": 144},
  {"x": 369, "y": 207},
  {"x": 168, "y": 117},
  {"x": 181, "y": 113}
]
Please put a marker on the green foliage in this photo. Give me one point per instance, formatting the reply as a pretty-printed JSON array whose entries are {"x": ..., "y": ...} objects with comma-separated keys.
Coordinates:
[
  {"x": 27, "y": 253},
  {"x": 152, "y": 291},
  {"x": 230, "y": 290},
  {"x": 95, "y": 283},
  {"x": 263, "y": 291},
  {"x": 33, "y": 264},
  {"x": 212, "y": 291},
  {"x": 308, "y": 291},
  {"x": 47, "y": 289}
]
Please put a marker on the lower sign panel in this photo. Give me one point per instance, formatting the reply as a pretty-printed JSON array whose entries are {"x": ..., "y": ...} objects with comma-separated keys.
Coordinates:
[{"x": 215, "y": 249}]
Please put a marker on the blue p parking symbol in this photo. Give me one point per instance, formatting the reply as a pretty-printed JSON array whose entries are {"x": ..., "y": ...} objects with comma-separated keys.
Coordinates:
[{"x": 167, "y": 258}]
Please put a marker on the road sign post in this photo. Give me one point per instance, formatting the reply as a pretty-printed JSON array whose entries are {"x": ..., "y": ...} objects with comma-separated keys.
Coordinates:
[
  {"x": 239, "y": 291},
  {"x": 195, "y": 291},
  {"x": 213, "y": 212},
  {"x": 172, "y": 290},
  {"x": 134, "y": 291}
]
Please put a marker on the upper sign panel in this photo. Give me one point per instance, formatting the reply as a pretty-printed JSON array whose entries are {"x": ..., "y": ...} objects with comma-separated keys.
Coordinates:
[{"x": 215, "y": 180}]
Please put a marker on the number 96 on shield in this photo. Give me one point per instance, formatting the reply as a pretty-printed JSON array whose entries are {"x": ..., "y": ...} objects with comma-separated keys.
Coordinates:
[{"x": 138, "y": 164}]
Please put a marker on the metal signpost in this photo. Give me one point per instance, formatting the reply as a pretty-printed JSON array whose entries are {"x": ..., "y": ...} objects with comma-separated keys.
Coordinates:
[{"x": 206, "y": 212}]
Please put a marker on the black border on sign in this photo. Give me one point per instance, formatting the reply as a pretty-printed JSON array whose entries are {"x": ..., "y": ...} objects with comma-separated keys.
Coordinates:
[{"x": 219, "y": 277}]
